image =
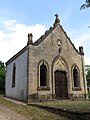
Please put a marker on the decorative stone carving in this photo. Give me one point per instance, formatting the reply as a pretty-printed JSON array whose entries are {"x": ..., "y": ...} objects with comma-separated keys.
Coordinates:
[
  {"x": 60, "y": 65},
  {"x": 59, "y": 42},
  {"x": 57, "y": 21},
  {"x": 59, "y": 50}
]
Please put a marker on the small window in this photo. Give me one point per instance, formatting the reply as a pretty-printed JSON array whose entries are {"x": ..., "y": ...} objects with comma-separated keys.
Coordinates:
[
  {"x": 43, "y": 75},
  {"x": 14, "y": 75},
  {"x": 75, "y": 77}
]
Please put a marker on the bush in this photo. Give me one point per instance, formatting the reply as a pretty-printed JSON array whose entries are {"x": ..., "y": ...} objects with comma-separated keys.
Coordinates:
[{"x": 89, "y": 94}]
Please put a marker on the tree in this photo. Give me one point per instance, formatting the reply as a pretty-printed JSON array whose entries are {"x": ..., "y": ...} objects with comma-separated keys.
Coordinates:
[
  {"x": 2, "y": 76},
  {"x": 85, "y": 5},
  {"x": 88, "y": 74}
]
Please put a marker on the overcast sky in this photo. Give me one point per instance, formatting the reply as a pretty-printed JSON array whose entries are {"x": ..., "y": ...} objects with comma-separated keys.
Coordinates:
[{"x": 20, "y": 17}]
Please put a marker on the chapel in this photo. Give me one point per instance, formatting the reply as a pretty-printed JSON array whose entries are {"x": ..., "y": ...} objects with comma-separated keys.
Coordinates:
[{"x": 47, "y": 69}]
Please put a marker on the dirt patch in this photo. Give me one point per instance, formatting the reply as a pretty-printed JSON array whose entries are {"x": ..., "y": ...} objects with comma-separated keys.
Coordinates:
[{"x": 7, "y": 114}]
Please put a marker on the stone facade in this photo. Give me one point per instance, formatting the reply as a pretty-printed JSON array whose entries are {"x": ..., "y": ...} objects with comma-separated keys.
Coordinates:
[{"x": 52, "y": 55}]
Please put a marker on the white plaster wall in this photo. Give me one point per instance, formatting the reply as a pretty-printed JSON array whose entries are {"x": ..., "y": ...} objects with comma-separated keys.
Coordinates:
[{"x": 18, "y": 92}]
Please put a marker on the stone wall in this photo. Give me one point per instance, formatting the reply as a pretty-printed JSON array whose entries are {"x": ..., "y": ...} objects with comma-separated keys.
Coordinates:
[{"x": 48, "y": 51}]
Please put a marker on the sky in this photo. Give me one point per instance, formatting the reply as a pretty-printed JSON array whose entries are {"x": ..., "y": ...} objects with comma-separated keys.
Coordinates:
[{"x": 20, "y": 17}]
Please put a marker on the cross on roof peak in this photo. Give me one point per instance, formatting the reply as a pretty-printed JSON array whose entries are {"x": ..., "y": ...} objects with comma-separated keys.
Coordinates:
[
  {"x": 56, "y": 15},
  {"x": 57, "y": 21}
]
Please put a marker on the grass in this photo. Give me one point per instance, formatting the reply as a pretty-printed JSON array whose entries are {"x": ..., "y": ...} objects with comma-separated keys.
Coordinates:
[
  {"x": 67, "y": 104},
  {"x": 32, "y": 113}
]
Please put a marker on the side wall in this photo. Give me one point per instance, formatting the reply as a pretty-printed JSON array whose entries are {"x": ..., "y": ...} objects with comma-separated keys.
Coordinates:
[{"x": 18, "y": 92}]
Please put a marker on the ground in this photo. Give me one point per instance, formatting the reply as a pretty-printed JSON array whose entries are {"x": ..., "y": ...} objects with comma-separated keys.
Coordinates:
[
  {"x": 14, "y": 110},
  {"x": 8, "y": 114}
]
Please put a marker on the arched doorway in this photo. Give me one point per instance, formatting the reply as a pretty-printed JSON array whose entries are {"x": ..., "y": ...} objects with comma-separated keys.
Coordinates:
[{"x": 60, "y": 78}]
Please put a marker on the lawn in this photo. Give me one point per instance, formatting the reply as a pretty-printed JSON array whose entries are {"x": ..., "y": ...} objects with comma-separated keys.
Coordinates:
[
  {"x": 34, "y": 113},
  {"x": 68, "y": 104},
  {"x": 30, "y": 112}
]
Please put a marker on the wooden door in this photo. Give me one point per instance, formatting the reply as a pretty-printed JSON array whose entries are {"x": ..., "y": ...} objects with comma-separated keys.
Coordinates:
[{"x": 61, "y": 85}]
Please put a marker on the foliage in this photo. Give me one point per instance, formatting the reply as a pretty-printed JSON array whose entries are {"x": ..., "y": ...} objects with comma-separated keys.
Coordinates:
[
  {"x": 2, "y": 76},
  {"x": 89, "y": 95},
  {"x": 88, "y": 74},
  {"x": 85, "y": 5}
]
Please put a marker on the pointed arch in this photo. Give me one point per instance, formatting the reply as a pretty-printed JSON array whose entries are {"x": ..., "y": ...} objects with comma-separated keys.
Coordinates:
[
  {"x": 75, "y": 77},
  {"x": 59, "y": 63},
  {"x": 43, "y": 74}
]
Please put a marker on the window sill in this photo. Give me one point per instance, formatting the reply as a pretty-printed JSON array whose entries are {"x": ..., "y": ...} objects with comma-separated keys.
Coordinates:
[
  {"x": 43, "y": 88},
  {"x": 76, "y": 88}
]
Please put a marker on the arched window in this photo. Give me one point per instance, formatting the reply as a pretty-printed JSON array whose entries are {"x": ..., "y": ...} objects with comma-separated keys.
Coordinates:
[
  {"x": 14, "y": 75},
  {"x": 75, "y": 77},
  {"x": 43, "y": 75}
]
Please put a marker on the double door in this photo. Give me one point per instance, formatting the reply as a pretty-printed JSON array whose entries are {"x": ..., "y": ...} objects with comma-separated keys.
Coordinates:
[{"x": 61, "y": 90}]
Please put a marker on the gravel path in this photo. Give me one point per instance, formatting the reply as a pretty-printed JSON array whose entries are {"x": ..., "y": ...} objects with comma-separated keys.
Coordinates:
[{"x": 7, "y": 114}]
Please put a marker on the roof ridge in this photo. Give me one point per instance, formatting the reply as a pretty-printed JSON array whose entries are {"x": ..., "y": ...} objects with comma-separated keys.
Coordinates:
[{"x": 47, "y": 32}]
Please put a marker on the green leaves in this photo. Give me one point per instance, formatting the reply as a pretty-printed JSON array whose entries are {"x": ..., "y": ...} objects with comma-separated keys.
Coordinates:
[
  {"x": 88, "y": 76},
  {"x": 85, "y": 5},
  {"x": 87, "y": 72},
  {"x": 2, "y": 76}
]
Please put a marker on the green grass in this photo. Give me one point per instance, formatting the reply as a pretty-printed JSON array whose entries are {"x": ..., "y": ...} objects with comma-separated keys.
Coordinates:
[
  {"x": 32, "y": 113},
  {"x": 72, "y": 105}
]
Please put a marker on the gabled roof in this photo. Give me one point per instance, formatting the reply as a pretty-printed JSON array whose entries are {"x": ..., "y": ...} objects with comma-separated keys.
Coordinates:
[
  {"x": 56, "y": 23},
  {"x": 42, "y": 38}
]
